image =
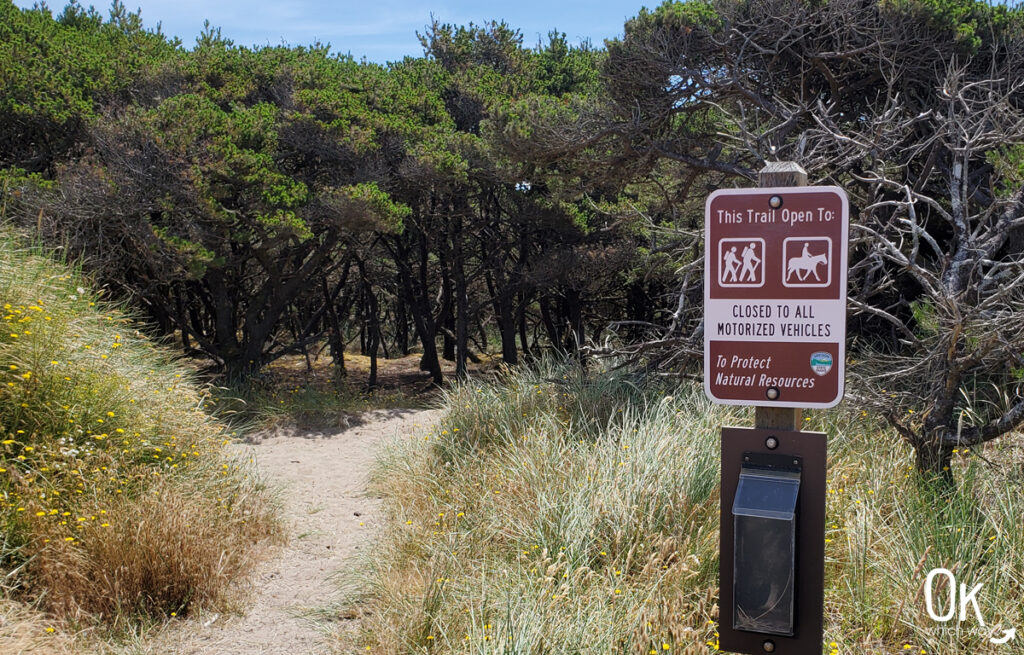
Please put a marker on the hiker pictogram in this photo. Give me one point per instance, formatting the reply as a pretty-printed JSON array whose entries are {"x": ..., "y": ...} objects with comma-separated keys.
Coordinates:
[
  {"x": 742, "y": 262},
  {"x": 807, "y": 262}
]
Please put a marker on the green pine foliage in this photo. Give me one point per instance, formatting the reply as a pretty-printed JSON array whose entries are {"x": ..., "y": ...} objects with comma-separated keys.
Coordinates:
[{"x": 59, "y": 74}]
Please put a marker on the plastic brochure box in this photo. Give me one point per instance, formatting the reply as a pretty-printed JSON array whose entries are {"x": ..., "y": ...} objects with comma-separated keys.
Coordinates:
[{"x": 764, "y": 557}]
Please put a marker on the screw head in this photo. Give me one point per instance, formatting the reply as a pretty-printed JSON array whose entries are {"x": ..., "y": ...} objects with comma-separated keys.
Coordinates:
[
  {"x": 772, "y": 393},
  {"x": 768, "y": 646},
  {"x": 775, "y": 202},
  {"x": 771, "y": 443}
]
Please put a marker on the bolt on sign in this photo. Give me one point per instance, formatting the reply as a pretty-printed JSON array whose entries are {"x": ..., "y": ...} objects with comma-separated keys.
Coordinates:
[{"x": 775, "y": 296}]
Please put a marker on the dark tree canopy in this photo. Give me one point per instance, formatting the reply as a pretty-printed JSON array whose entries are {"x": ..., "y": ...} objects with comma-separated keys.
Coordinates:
[
  {"x": 916, "y": 109},
  {"x": 535, "y": 198}
]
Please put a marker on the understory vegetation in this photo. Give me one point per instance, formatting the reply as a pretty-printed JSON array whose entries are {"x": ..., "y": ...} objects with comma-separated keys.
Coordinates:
[
  {"x": 555, "y": 512},
  {"x": 119, "y": 503}
]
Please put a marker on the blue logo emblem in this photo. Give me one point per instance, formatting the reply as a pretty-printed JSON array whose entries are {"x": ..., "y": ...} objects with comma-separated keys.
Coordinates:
[{"x": 821, "y": 362}]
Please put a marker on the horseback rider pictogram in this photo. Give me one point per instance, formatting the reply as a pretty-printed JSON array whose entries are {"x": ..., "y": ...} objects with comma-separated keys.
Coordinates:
[{"x": 806, "y": 264}]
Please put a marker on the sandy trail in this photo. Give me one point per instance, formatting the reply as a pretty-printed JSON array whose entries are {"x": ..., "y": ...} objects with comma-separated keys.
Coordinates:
[{"x": 323, "y": 478}]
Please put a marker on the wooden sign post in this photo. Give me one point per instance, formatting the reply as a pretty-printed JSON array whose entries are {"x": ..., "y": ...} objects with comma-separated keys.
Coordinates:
[
  {"x": 774, "y": 338},
  {"x": 783, "y": 173}
]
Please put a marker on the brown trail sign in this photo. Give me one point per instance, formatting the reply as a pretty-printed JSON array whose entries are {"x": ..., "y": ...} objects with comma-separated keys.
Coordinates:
[{"x": 775, "y": 296}]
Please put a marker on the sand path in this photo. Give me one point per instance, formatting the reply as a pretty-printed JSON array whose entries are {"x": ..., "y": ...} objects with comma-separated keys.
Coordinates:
[{"x": 323, "y": 477}]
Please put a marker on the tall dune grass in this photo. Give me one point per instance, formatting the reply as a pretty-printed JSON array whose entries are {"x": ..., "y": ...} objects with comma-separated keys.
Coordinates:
[
  {"x": 558, "y": 513},
  {"x": 117, "y": 497}
]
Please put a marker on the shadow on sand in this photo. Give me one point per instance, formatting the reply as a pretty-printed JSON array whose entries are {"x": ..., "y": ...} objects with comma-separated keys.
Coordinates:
[{"x": 324, "y": 427}]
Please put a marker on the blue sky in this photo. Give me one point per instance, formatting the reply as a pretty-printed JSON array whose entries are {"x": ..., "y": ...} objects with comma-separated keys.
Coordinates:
[{"x": 380, "y": 30}]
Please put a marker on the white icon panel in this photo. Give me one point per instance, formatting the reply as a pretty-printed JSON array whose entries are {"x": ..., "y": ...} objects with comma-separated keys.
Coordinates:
[
  {"x": 741, "y": 262},
  {"x": 807, "y": 262}
]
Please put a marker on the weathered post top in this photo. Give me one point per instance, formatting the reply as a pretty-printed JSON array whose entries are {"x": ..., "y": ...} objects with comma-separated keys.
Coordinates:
[{"x": 782, "y": 173}]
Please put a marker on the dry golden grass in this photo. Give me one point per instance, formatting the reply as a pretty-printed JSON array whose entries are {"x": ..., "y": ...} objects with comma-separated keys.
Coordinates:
[
  {"x": 553, "y": 514},
  {"x": 28, "y": 632},
  {"x": 540, "y": 518},
  {"x": 119, "y": 502},
  {"x": 163, "y": 553}
]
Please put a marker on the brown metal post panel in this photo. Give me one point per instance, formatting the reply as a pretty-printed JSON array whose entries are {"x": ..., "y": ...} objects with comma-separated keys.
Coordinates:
[{"x": 809, "y": 448}]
